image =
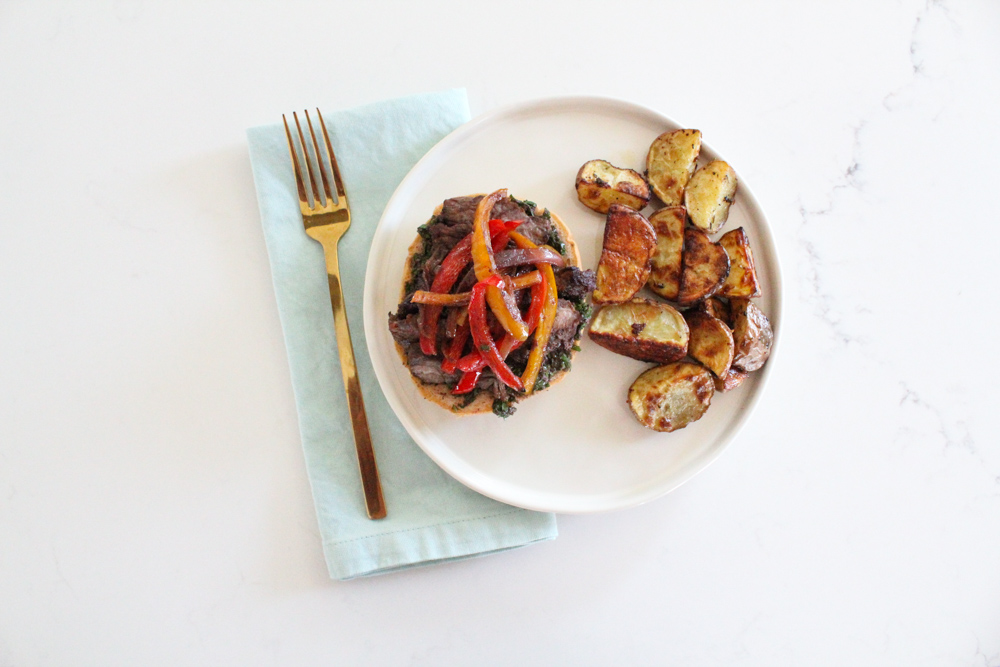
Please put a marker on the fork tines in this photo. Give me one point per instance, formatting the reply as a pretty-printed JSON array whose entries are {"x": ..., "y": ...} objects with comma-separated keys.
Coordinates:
[{"x": 309, "y": 190}]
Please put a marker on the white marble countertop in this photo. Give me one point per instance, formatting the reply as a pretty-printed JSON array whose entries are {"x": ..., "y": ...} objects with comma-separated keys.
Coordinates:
[{"x": 154, "y": 507}]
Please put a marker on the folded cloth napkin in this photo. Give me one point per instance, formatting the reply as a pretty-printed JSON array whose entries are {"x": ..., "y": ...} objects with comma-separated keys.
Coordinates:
[{"x": 431, "y": 517}]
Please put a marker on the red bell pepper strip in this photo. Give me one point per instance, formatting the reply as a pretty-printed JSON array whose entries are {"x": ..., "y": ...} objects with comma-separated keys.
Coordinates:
[
  {"x": 538, "y": 292},
  {"x": 451, "y": 267},
  {"x": 482, "y": 338},
  {"x": 474, "y": 361},
  {"x": 500, "y": 230},
  {"x": 468, "y": 382},
  {"x": 454, "y": 350}
]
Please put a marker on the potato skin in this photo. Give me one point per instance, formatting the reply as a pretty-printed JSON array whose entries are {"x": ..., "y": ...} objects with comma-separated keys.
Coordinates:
[
  {"x": 711, "y": 342},
  {"x": 641, "y": 329},
  {"x": 670, "y": 162},
  {"x": 668, "y": 398},
  {"x": 599, "y": 184},
  {"x": 666, "y": 263},
  {"x": 706, "y": 266},
  {"x": 709, "y": 194},
  {"x": 629, "y": 241},
  {"x": 742, "y": 279},
  {"x": 733, "y": 378},
  {"x": 716, "y": 307},
  {"x": 752, "y": 335}
]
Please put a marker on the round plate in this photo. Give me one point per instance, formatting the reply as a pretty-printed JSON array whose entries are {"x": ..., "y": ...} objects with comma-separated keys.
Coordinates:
[{"x": 575, "y": 447}]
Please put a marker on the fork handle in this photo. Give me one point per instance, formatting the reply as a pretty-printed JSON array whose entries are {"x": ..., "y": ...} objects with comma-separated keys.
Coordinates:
[{"x": 374, "y": 502}]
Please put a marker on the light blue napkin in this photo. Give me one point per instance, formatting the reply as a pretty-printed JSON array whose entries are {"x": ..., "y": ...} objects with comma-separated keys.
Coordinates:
[{"x": 431, "y": 517}]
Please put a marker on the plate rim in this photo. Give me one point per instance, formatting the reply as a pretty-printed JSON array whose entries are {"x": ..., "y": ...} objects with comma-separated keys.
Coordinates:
[{"x": 454, "y": 138}]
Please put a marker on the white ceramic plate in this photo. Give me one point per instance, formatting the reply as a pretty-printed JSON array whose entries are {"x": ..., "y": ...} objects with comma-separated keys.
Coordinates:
[{"x": 575, "y": 447}]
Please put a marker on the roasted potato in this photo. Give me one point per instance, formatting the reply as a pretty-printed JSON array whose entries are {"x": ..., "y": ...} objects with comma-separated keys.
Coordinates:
[
  {"x": 599, "y": 184},
  {"x": 742, "y": 279},
  {"x": 705, "y": 267},
  {"x": 629, "y": 241},
  {"x": 752, "y": 335},
  {"x": 667, "y": 398},
  {"x": 641, "y": 329},
  {"x": 665, "y": 265},
  {"x": 733, "y": 378},
  {"x": 670, "y": 163},
  {"x": 716, "y": 307},
  {"x": 711, "y": 342},
  {"x": 708, "y": 195}
]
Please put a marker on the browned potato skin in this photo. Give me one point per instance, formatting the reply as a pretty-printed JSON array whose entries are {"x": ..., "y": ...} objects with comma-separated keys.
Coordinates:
[
  {"x": 670, "y": 163},
  {"x": 711, "y": 343},
  {"x": 706, "y": 266},
  {"x": 733, "y": 378},
  {"x": 666, "y": 262},
  {"x": 716, "y": 307},
  {"x": 634, "y": 318},
  {"x": 629, "y": 241},
  {"x": 709, "y": 194},
  {"x": 668, "y": 398},
  {"x": 626, "y": 187},
  {"x": 742, "y": 279},
  {"x": 752, "y": 335}
]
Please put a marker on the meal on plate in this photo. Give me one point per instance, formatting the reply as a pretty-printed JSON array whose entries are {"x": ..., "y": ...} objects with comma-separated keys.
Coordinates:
[
  {"x": 493, "y": 303},
  {"x": 721, "y": 336}
]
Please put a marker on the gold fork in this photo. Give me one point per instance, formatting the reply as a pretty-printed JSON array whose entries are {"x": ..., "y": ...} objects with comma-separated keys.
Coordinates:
[{"x": 326, "y": 221}]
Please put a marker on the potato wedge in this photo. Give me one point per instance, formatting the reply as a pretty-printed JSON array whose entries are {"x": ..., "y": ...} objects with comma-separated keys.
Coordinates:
[
  {"x": 629, "y": 241},
  {"x": 709, "y": 194},
  {"x": 742, "y": 279},
  {"x": 716, "y": 307},
  {"x": 733, "y": 378},
  {"x": 670, "y": 162},
  {"x": 667, "y": 398},
  {"x": 599, "y": 184},
  {"x": 641, "y": 329},
  {"x": 665, "y": 264},
  {"x": 752, "y": 335},
  {"x": 711, "y": 342},
  {"x": 705, "y": 267}
]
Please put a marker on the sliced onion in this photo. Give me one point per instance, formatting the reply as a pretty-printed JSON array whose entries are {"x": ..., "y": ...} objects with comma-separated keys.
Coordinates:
[{"x": 518, "y": 256}]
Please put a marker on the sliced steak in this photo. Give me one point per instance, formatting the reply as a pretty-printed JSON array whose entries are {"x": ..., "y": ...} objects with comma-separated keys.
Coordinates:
[
  {"x": 563, "y": 334},
  {"x": 508, "y": 209},
  {"x": 489, "y": 382},
  {"x": 574, "y": 283},
  {"x": 427, "y": 369},
  {"x": 439, "y": 250},
  {"x": 459, "y": 209},
  {"x": 449, "y": 234},
  {"x": 404, "y": 330},
  {"x": 462, "y": 210},
  {"x": 536, "y": 229}
]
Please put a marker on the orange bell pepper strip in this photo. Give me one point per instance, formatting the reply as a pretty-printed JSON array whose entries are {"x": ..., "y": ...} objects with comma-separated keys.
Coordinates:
[
  {"x": 462, "y": 298},
  {"x": 485, "y": 267},
  {"x": 482, "y": 246},
  {"x": 548, "y": 317}
]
